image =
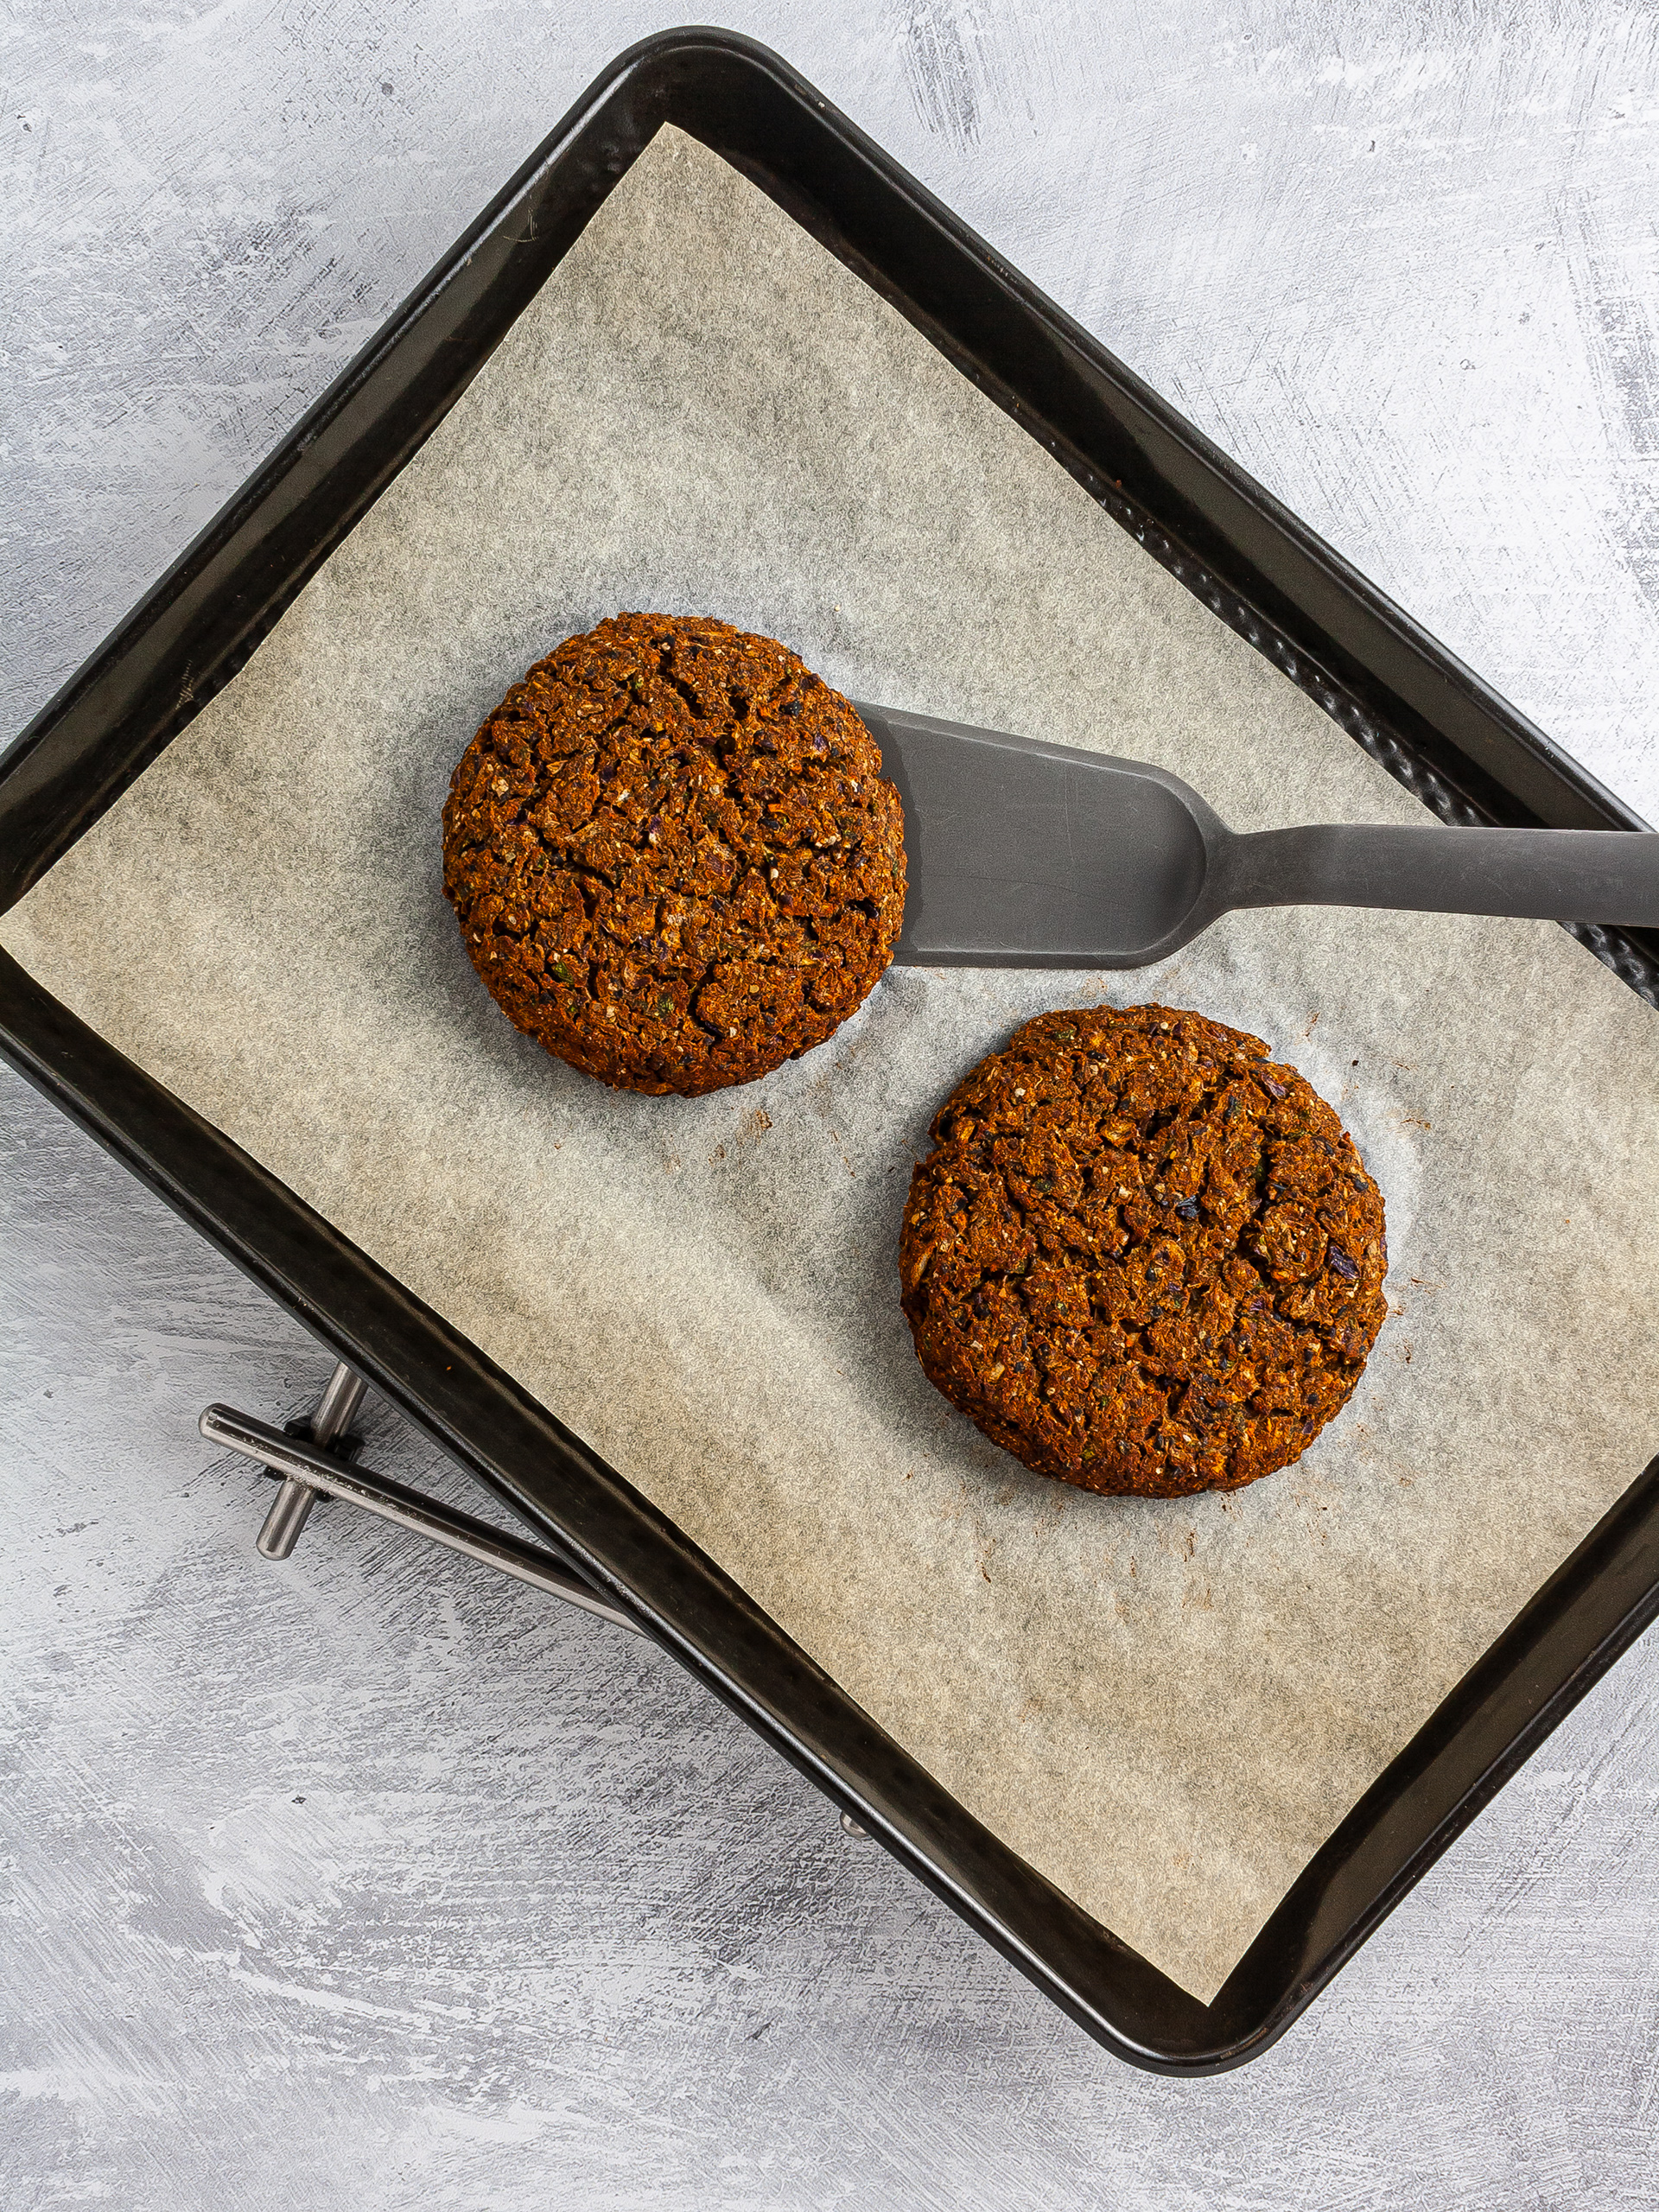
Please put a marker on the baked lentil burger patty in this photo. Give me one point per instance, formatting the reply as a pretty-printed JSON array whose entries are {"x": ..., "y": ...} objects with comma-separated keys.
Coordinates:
[
  {"x": 673, "y": 854},
  {"x": 1143, "y": 1256}
]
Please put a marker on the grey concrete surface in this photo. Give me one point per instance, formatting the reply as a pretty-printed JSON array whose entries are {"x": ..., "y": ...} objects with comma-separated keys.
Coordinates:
[{"x": 366, "y": 1880}]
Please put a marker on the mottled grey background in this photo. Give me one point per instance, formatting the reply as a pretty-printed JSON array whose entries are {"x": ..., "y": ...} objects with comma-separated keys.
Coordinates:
[{"x": 370, "y": 1879}]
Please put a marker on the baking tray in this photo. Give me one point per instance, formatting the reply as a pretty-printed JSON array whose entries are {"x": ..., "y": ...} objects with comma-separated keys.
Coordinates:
[{"x": 1434, "y": 724}]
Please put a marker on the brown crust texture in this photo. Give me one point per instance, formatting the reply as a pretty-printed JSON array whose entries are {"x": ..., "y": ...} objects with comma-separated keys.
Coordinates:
[
  {"x": 1143, "y": 1257},
  {"x": 673, "y": 854}
]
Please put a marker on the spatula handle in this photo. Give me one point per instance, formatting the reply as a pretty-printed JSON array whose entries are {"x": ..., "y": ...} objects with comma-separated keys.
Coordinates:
[{"x": 1567, "y": 875}]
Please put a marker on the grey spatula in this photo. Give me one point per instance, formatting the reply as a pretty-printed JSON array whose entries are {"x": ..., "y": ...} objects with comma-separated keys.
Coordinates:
[{"x": 1022, "y": 854}]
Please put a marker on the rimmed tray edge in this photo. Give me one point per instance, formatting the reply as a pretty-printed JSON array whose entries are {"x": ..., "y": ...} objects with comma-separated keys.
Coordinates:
[{"x": 596, "y": 142}]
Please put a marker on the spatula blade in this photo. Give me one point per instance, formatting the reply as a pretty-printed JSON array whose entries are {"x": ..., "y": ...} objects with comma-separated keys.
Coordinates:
[{"x": 1023, "y": 854}]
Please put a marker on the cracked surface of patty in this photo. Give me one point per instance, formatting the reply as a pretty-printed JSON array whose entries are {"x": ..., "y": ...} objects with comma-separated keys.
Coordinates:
[
  {"x": 1143, "y": 1257},
  {"x": 673, "y": 854}
]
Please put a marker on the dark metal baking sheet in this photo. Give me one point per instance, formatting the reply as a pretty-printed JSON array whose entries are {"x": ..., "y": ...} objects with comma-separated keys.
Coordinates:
[{"x": 1431, "y": 722}]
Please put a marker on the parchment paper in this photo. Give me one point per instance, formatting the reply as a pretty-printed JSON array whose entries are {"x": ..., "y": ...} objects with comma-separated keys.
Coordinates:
[{"x": 1165, "y": 1708}]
